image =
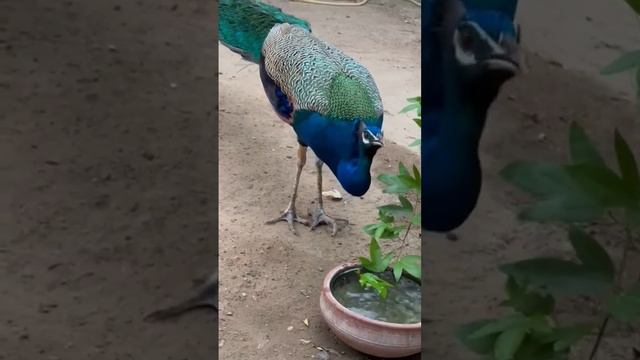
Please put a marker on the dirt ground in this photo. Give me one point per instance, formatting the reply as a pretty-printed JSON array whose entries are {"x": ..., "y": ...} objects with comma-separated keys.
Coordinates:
[
  {"x": 109, "y": 208},
  {"x": 269, "y": 278},
  {"x": 108, "y": 172}
]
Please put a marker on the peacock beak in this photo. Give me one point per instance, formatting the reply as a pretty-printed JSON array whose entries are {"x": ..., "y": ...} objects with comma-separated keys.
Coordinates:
[
  {"x": 502, "y": 63},
  {"x": 508, "y": 60}
]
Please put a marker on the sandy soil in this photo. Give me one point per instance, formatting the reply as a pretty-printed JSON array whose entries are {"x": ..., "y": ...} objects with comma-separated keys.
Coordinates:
[
  {"x": 108, "y": 206},
  {"x": 109, "y": 202},
  {"x": 269, "y": 278}
]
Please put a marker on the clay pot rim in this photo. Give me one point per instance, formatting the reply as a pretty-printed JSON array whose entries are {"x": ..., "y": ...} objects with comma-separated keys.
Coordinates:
[{"x": 326, "y": 289}]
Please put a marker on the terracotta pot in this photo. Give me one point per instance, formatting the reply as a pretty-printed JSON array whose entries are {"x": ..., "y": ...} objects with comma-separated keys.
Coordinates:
[{"x": 373, "y": 337}]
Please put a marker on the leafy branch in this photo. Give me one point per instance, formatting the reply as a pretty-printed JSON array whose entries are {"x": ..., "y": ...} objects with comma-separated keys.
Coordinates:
[
  {"x": 395, "y": 222},
  {"x": 578, "y": 192}
]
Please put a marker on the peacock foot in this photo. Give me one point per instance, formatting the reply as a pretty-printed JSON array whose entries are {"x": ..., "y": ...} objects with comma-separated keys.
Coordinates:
[
  {"x": 207, "y": 297},
  {"x": 290, "y": 217},
  {"x": 319, "y": 217}
]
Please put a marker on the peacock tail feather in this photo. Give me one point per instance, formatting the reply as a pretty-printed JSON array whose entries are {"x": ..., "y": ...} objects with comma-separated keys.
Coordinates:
[{"x": 243, "y": 25}]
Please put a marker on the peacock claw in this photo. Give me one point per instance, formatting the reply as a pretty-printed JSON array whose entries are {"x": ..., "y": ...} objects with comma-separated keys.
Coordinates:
[
  {"x": 319, "y": 217},
  {"x": 290, "y": 217}
]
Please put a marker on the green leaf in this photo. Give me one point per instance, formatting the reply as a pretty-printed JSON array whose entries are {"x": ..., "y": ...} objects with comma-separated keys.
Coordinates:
[
  {"x": 573, "y": 193},
  {"x": 635, "y": 5},
  {"x": 369, "y": 280},
  {"x": 499, "y": 325},
  {"x": 582, "y": 149},
  {"x": 410, "y": 107},
  {"x": 366, "y": 263},
  {"x": 566, "y": 337},
  {"x": 591, "y": 253},
  {"x": 627, "y": 163},
  {"x": 557, "y": 277},
  {"x": 402, "y": 211},
  {"x": 416, "y": 175},
  {"x": 386, "y": 260},
  {"x": 385, "y": 216},
  {"x": 417, "y": 102},
  {"x": 482, "y": 345},
  {"x": 533, "y": 349},
  {"x": 377, "y": 262},
  {"x": 388, "y": 231},
  {"x": 406, "y": 204},
  {"x": 539, "y": 325},
  {"x": 418, "y": 121},
  {"x": 626, "y": 307},
  {"x": 538, "y": 178},
  {"x": 379, "y": 232},
  {"x": 416, "y": 142},
  {"x": 569, "y": 208},
  {"x": 600, "y": 184},
  {"x": 416, "y": 219},
  {"x": 509, "y": 342},
  {"x": 399, "y": 184},
  {"x": 402, "y": 169},
  {"x": 408, "y": 263},
  {"x": 628, "y": 61},
  {"x": 528, "y": 302}
]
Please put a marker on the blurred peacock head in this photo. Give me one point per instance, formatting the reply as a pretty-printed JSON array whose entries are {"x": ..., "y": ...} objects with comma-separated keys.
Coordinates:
[
  {"x": 486, "y": 49},
  {"x": 483, "y": 43}
]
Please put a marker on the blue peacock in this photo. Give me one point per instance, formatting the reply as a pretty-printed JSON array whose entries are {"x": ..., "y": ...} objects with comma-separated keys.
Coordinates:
[
  {"x": 329, "y": 99},
  {"x": 470, "y": 48}
]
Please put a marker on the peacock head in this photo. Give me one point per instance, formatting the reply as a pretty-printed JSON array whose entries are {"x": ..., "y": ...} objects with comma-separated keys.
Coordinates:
[
  {"x": 370, "y": 138},
  {"x": 354, "y": 171},
  {"x": 484, "y": 44}
]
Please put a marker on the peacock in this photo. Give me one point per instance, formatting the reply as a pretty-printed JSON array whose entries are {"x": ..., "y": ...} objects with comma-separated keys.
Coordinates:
[
  {"x": 329, "y": 99},
  {"x": 470, "y": 48}
]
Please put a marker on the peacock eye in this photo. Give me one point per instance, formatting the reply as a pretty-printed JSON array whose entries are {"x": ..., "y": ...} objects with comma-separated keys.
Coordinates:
[{"x": 466, "y": 39}]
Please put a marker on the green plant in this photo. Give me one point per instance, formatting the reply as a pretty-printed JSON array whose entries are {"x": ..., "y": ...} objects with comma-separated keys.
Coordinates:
[
  {"x": 395, "y": 222},
  {"x": 629, "y": 61},
  {"x": 582, "y": 191}
]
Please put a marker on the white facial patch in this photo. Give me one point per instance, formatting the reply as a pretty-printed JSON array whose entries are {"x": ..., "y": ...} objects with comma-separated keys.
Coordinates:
[
  {"x": 467, "y": 57},
  {"x": 464, "y": 56},
  {"x": 368, "y": 137}
]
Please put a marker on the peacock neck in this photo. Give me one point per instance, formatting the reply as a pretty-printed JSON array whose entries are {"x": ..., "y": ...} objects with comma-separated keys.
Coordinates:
[{"x": 450, "y": 162}]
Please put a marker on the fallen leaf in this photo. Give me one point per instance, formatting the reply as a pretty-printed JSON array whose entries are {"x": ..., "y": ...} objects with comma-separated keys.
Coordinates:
[
  {"x": 332, "y": 194},
  {"x": 306, "y": 322}
]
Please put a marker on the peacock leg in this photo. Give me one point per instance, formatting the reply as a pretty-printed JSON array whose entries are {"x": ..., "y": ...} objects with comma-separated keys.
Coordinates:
[
  {"x": 206, "y": 297},
  {"x": 318, "y": 216},
  {"x": 289, "y": 215}
]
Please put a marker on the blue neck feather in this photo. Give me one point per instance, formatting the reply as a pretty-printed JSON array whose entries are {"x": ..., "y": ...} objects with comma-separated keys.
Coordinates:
[{"x": 335, "y": 142}]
